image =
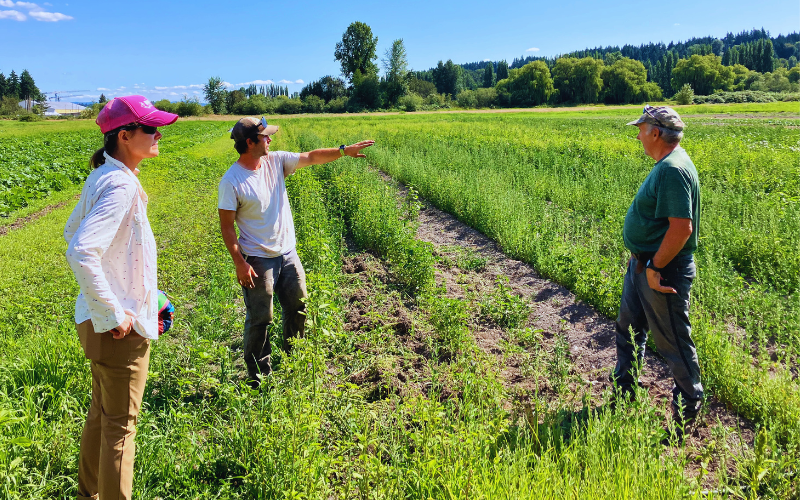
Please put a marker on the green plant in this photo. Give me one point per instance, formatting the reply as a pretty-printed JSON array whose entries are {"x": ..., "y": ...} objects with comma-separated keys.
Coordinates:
[
  {"x": 504, "y": 306},
  {"x": 685, "y": 95}
]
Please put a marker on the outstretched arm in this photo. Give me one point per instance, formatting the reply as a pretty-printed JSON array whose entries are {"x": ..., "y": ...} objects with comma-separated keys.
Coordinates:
[{"x": 325, "y": 155}]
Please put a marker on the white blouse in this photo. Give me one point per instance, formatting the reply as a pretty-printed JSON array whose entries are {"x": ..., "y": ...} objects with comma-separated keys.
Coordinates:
[{"x": 112, "y": 252}]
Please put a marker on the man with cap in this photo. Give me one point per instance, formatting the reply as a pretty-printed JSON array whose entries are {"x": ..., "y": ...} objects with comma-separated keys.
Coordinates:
[
  {"x": 252, "y": 193},
  {"x": 661, "y": 232}
]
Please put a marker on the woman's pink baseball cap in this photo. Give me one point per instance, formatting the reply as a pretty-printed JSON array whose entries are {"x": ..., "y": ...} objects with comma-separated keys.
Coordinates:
[{"x": 122, "y": 111}]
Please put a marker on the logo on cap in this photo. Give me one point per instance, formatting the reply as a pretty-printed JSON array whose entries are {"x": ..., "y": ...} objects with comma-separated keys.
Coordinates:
[{"x": 146, "y": 104}]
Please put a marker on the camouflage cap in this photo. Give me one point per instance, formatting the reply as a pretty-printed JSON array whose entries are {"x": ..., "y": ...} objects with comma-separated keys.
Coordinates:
[{"x": 661, "y": 116}]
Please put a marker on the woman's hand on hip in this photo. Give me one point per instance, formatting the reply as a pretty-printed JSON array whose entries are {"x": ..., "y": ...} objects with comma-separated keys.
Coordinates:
[{"x": 124, "y": 329}]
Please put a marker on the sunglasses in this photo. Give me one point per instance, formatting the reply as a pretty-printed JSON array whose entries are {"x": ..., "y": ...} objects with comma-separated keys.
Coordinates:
[{"x": 147, "y": 129}]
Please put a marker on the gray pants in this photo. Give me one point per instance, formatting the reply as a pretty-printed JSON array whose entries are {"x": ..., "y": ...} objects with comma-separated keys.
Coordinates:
[
  {"x": 667, "y": 317},
  {"x": 285, "y": 276}
]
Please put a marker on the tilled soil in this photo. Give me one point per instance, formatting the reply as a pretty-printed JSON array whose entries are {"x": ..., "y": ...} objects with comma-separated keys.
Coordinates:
[
  {"x": 22, "y": 221},
  {"x": 557, "y": 311}
]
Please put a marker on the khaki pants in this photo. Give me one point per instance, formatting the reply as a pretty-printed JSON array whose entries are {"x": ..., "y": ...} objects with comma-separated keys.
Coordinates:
[{"x": 119, "y": 373}]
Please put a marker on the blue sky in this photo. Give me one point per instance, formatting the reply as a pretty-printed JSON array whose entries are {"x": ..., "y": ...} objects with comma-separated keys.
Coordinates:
[{"x": 170, "y": 48}]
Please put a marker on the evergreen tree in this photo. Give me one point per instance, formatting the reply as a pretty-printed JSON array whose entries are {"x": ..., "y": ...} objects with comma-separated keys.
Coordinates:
[
  {"x": 3, "y": 85},
  {"x": 488, "y": 75},
  {"x": 446, "y": 76},
  {"x": 103, "y": 99},
  {"x": 12, "y": 85},
  {"x": 27, "y": 87},
  {"x": 502, "y": 70}
]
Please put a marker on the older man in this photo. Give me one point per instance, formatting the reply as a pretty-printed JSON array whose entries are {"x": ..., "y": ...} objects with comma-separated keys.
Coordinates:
[
  {"x": 661, "y": 233},
  {"x": 252, "y": 194}
]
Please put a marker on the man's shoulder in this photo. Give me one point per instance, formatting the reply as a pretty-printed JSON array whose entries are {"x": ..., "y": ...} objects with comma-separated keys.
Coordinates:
[{"x": 233, "y": 174}]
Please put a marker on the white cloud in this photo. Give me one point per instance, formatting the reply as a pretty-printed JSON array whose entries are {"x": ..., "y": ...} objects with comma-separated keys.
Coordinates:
[
  {"x": 195, "y": 86},
  {"x": 34, "y": 11},
  {"x": 285, "y": 81},
  {"x": 486, "y": 60},
  {"x": 102, "y": 88},
  {"x": 677, "y": 24},
  {"x": 533, "y": 49},
  {"x": 227, "y": 84},
  {"x": 195, "y": 92},
  {"x": 12, "y": 14},
  {"x": 299, "y": 82},
  {"x": 50, "y": 17},
  {"x": 180, "y": 87},
  {"x": 173, "y": 93},
  {"x": 161, "y": 88},
  {"x": 256, "y": 82}
]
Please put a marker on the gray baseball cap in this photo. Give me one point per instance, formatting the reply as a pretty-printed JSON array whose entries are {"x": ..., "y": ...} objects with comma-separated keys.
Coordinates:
[
  {"x": 662, "y": 116},
  {"x": 250, "y": 126}
]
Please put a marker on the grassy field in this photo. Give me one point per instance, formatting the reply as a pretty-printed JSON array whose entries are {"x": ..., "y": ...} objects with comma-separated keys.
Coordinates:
[{"x": 552, "y": 190}]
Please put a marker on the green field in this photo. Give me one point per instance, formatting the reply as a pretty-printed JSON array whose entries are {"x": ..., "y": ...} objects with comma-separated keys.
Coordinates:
[{"x": 551, "y": 188}]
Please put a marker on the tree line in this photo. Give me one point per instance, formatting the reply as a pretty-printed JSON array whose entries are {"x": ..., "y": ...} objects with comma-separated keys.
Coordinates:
[{"x": 747, "y": 61}]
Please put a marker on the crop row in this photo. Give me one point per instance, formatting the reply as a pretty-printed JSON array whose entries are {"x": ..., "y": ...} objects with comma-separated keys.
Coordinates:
[
  {"x": 554, "y": 192},
  {"x": 202, "y": 434}
]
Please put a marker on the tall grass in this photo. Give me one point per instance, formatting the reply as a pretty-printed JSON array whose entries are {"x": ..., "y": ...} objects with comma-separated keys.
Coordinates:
[{"x": 203, "y": 434}]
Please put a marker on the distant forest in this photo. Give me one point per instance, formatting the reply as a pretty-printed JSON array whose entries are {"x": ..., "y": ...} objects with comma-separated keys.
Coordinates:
[{"x": 754, "y": 49}]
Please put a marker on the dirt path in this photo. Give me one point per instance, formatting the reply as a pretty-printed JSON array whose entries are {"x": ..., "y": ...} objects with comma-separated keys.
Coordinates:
[
  {"x": 22, "y": 221},
  {"x": 556, "y": 311}
]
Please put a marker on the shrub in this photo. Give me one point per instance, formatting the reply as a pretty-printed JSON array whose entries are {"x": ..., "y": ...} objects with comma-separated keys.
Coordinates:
[
  {"x": 166, "y": 105},
  {"x": 286, "y": 106},
  {"x": 313, "y": 104},
  {"x": 255, "y": 105},
  {"x": 337, "y": 105},
  {"x": 190, "y": 107},
  {"x": 9, "y": 106},
  {"x": 31, "y": 117},
  {"x": 486, "y": 98},
  {"x": 466, "y": 99},
  {"x": 685, "y": 95},
  {"x": 410, "y": 102},
  {"x": 745, "y": 96}
]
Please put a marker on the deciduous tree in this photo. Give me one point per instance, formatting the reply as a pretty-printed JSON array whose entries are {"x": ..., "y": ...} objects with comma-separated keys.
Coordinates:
[
  {"x": 625, "y": 82},
  {"x": 395, "y": 63},
  {"x": 529, "y": 85},
  {"x": 704, "y": 73},
  {"x": 215, "y": 94},
  {"x": 578, "y": 80},
  {"x": 356, "y": 51}
]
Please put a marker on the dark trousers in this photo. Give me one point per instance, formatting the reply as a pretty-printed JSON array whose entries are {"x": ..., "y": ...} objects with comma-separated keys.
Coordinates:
[
  {"x": 285, "y": 277},
  {"x": 667, "y": 317}
]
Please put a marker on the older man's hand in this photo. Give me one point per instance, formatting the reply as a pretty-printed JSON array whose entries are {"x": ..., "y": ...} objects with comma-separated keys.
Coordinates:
[{"x": 654, "y": 281}]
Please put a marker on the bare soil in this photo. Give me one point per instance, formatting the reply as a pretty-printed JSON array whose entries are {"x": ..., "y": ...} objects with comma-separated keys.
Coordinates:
[
  {"x": 591, "y": 338},
  {"x": 22, "y": 221}
]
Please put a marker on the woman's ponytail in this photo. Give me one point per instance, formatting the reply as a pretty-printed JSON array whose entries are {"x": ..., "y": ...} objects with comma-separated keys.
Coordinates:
[{"x": 109, "y": 146}]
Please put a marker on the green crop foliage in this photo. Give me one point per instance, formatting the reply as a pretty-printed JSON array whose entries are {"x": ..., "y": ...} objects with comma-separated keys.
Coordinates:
[{"x": 542, "y": 193}]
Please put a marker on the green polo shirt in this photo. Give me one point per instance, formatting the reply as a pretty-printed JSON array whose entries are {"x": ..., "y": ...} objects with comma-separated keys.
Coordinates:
[{"x": 671, "y": 189}]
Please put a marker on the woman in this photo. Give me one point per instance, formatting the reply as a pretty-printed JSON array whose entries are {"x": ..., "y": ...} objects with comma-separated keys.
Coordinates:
[{"x": 112, "y": 253}]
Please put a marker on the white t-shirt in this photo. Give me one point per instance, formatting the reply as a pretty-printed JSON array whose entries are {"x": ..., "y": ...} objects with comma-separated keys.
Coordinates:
[{"x": 259, "y": 197}]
